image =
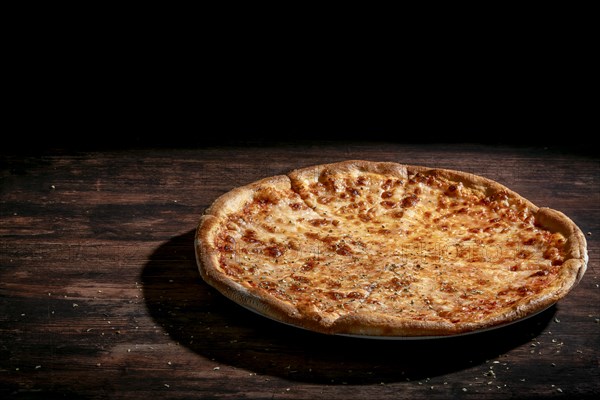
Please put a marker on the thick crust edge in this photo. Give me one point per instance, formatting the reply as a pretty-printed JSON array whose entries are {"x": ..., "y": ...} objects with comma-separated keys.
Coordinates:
[
  {"x": 207, "y": 255},
  {"x": 376, "y": 324}
]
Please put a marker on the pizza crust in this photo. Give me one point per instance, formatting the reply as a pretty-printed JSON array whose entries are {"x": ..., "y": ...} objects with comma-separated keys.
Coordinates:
[
  {"x": 376, "y": 324},
  {"x": 208, "y": 256}
]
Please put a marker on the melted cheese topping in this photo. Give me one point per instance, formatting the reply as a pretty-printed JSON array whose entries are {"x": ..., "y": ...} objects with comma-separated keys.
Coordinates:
[{"x": 420, "y": 248}]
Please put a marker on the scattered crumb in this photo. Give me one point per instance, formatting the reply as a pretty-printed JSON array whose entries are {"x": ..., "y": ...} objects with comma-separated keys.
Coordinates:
[
  {"x": 38, "y": 366},
  {"x": 216, "y": 368},
  {"x": 589, "y": 233},
  {"x": 464, "y": 389},
  {"x": 167, "y": 385},
  {"x": 556, "y": 320},
  {"x": 75, "y": 305},
  {"x": 54, "y": 187}
]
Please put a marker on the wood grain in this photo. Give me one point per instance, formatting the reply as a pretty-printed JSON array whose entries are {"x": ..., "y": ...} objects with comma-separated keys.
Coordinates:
[{"x": 100, "y": 296}]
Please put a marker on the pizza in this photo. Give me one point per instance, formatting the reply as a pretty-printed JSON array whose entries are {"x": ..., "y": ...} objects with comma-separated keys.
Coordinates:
[{"x": 388, "y": 250}]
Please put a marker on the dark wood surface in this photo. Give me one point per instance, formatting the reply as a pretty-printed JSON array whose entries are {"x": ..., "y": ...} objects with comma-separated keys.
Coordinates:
[{"x": 100, "y": 295}]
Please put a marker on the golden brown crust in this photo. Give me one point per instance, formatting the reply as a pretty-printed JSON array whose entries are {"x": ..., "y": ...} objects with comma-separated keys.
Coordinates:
[
  {"x": 312, "y": 173},
  {"x": 377, "y": 324},
  {"x": 576, "y": 244}
]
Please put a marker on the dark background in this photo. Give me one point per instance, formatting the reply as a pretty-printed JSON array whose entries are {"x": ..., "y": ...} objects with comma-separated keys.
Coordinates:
[
  {"x": 165, "y": 119},
  {"x": 102, "y": 90},
  {"x": 152, "y": 77}
]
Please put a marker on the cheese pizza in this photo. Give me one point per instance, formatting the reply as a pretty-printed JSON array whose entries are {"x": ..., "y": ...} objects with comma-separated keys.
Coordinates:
[{"x": 388, "y": 250}]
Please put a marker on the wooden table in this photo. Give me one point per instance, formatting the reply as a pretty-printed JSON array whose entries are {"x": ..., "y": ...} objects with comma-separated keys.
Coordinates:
[{"x": 100, "y": 295}]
